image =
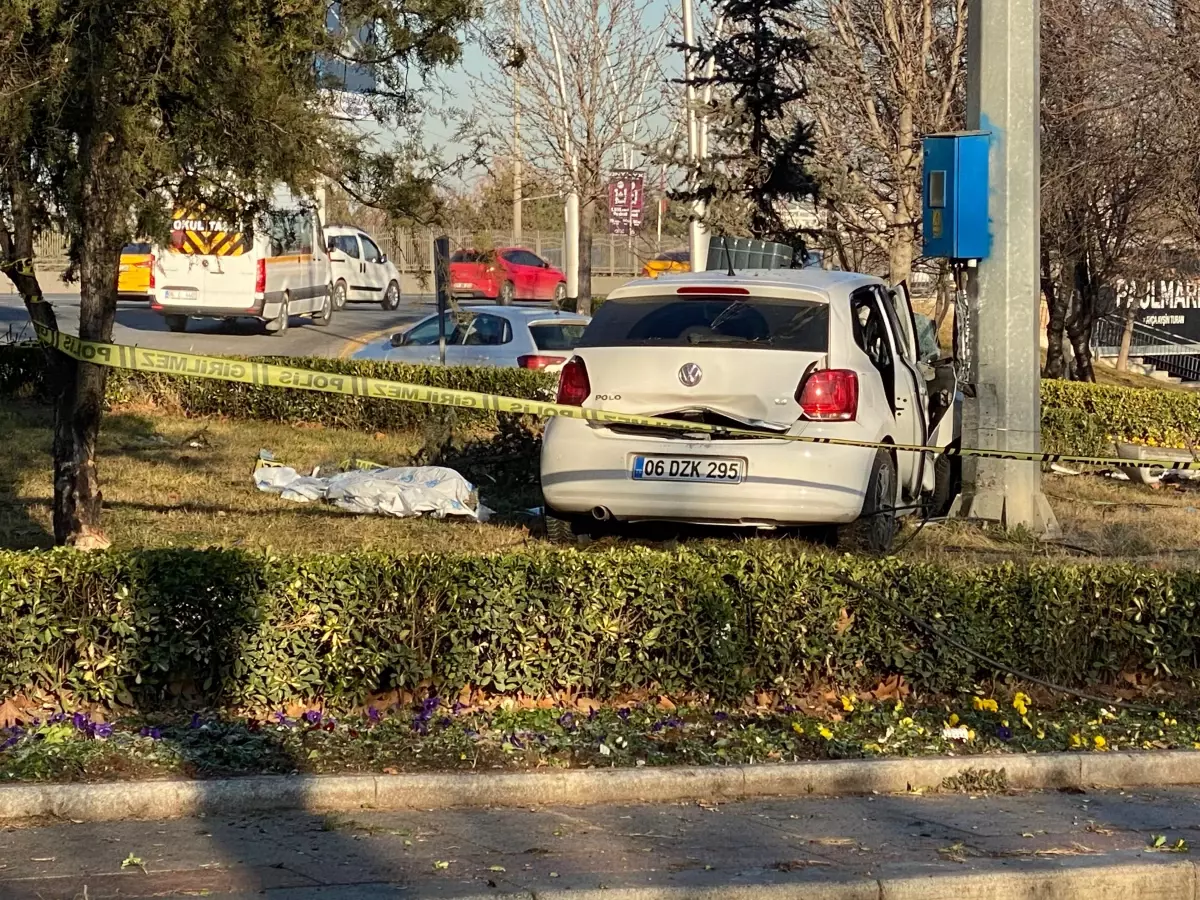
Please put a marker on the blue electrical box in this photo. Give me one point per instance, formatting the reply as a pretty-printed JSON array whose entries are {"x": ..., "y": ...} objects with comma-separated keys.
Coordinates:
[{"x": 954, "y": 202}]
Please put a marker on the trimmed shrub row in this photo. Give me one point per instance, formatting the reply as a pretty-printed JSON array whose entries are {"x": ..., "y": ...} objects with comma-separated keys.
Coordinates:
[
  {"x": 22, "y": 374},
  {"x": 235, "y": 628}
]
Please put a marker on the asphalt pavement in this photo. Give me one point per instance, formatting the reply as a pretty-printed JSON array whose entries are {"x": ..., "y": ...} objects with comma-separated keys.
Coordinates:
[
  {"x": 956, "y": 845},
  {"x": 351, "y": 328}
]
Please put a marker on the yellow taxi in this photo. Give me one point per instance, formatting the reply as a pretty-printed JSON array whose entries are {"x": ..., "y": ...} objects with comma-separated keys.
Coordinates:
[
  {"x": 135, "y": 277},
  {"x": 668, "y": 261}
]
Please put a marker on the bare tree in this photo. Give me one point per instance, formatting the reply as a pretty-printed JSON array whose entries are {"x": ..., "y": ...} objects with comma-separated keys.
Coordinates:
[
  {"x": 884, "y": 74},
  {"x": 1108, "y": 103},
  {"x": 589, "y": 92}
]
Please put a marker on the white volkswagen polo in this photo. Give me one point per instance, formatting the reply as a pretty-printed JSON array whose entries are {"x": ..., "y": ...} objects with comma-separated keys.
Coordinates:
[{"x": 779, "y": 352}]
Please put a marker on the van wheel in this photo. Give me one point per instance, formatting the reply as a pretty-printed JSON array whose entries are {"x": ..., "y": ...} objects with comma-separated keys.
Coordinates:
[
  {"x": 875, "y": 529},
  {"x": 280, "y": 324},
  {"x": 339, "y": 295},
  {"x": 560, "y": 293},
  {"x": 324, "y": 315},
  {"x": 391, "y": 298},
  {"x": 508, "y": 293},
  {"x": 176, "y": 323}
]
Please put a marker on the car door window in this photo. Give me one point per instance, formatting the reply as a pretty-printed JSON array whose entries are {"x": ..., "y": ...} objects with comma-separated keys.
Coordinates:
[
  {"x": 901, "y": 316},
  {"x": 370, "y": 251},
  {"x": 346, "y": 243},
  {"x": 488, "y": 331},
  {"x": 525, "y": 258},
  {"x": 426, "y": 332},
  {"x": 871, "y": 335}
]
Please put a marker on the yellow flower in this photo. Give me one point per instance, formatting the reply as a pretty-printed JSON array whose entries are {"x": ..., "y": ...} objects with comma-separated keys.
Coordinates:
[
  {"x": 826, "y": 733},
  {"x": 798, "y": 728},
  {"x": 1021, "y": 703},
  {"x": 1076, "y": 741},
  {"x": 899, "y": 705},
  {"x": 1100, "y": 742},
  {"x": 1041, "y": 735},
  {"x": 953, "y": 719},
  {"x": 988, "y": 705},
  {"x": 971, "y": 734},
  {"x": 847, "y": 703},
  {"x": 906, "y": 721},
  {"x": 1025, "y": 721}
]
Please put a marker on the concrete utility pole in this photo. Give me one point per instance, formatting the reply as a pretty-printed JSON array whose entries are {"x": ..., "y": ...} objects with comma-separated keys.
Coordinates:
[
  {"x": 1003, "y": 96},
  {"x": 571, "y": 207},
  {"x": 697, "y": 238}
]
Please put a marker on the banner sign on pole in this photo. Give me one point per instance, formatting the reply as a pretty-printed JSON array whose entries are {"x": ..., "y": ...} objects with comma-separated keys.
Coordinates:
[{"x": 626, "y": 201}]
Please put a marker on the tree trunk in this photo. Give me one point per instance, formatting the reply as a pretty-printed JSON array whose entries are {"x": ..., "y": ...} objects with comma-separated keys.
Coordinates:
[
  {"x": 77, "y": 496},
  {"x": 1057, "y": 302},
  {"x": 900, "y": 255},
  {"x": 1126, "y": 340},
  {"x": 1079, "y": 326},
  {"x": 587, "y": 215}
]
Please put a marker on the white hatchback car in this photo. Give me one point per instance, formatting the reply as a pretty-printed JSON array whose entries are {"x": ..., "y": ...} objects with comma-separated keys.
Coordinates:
[
  {"x": 787, "y": 351},
  {"x": 361, "y": 271}
]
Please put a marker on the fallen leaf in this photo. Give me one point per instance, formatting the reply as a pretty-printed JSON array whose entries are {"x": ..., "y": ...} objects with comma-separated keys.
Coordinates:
[
  {"x": 441, "y": 864},
  {"x": 664, "y": 702},
  {"x": 132, "y": 861},
  {"x": 497, "y": 869},
  {"x": 845, "y": 620}
]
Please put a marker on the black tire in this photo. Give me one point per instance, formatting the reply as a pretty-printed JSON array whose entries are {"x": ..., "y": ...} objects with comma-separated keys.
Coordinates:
[
  {"x": 280, "y": 325},
  {"x": 324, "y": 315},
  {"x": 391, "y": 297},
  {"x": 508, "y": 293},
  {"x": 876, "y": 527},
  {"x": 339, "y": 294},
  {"x": 560, "y": 293},
  {"x": 561, "y": 529},
  {"x": 176, "y": 323},
  {"x": 947, "y": 485}
]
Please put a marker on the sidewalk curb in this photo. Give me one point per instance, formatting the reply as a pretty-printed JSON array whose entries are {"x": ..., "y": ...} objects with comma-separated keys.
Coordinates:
[{"x": 584, "y": 787}]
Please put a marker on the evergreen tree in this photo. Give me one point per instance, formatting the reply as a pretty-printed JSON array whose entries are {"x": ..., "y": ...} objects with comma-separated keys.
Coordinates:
[{"x": 760, "y": 162}]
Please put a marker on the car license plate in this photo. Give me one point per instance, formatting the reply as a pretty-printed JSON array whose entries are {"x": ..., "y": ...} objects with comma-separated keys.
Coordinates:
[
  {"x": 462, "y": 284},
  {"x": 177, "y": 294},
  {"x": 689, "y": 468},
  {"x": 124, "y": 267}
]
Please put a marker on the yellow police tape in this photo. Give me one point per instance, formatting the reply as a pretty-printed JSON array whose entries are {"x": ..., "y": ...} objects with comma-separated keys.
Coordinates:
[{"x": 169, "y": 362}]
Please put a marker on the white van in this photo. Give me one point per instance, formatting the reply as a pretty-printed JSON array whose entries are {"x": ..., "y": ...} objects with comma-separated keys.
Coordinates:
[{"x": 280, "y": 268}]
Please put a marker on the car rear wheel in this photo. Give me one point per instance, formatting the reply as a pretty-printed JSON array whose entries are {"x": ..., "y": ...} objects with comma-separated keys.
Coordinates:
[
  {"x": 324, "y": 315},
  {"x": 280, "y": 324},
  {"x": 176, "y": 323},
  {"x": 391, "y": 298},
  {"x": 339, "y": 294},
  {"x": 560, "y": 292},
  {"x": 508, "y": 293},
  {"x": 875, "y": 529},
  {"x": 561, "y": 529}
]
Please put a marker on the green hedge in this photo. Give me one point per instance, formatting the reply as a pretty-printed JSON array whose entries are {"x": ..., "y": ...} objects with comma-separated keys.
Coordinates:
[
  {"x": 229, "y": 627},
  {"x": 1090, "y": 416},
  {"x": 22, "y": 374}
]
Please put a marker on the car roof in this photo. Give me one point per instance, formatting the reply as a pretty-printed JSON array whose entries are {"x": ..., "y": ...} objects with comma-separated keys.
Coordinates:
[
  {"x": 526, "y": 313},
  {"x": 346, "y": 229},
  {"x": 811, "y": 279}
]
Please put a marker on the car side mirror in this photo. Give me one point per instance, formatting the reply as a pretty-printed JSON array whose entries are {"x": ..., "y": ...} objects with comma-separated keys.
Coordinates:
[
  {"x": 399, "y": 339},
  {"x": 331, "y": 247},
  {"x": 382, "y": 258}
]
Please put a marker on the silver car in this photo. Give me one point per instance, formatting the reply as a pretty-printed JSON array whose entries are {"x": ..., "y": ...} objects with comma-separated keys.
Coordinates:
[{"x": 505, "y": 336}]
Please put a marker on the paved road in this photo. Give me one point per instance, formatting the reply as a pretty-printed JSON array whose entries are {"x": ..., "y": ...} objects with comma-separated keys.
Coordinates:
[
  {"x": 852, "y": 845},
  {"x": 136, "y": 324}
]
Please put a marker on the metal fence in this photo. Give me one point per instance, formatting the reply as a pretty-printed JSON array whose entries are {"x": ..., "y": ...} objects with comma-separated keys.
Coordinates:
[{"x": 1164, "y": 350}]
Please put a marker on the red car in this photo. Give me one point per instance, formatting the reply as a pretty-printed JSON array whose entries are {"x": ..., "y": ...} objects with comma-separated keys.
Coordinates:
[{"x": 505, "y": 274}]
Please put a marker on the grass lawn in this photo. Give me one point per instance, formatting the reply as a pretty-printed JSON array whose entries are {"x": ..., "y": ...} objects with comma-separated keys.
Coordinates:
[
  {"x": 173, "y": 481},
  {"x": 160, "y": 490}
]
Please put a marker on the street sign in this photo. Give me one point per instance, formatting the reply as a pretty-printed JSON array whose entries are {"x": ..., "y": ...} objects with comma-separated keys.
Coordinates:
[{"x": 626, "y": 201}]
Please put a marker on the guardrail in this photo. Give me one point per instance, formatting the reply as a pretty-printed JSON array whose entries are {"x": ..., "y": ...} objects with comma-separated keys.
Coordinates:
[{"x": 1163, "y": 349}]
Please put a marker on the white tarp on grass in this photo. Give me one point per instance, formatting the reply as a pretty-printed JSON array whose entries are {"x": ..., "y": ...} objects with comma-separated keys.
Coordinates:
[{"x": 403, "y": 491}]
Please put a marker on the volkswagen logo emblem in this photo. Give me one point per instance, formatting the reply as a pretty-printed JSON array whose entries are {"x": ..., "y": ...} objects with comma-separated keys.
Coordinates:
[{"x": 690, "y": 374}]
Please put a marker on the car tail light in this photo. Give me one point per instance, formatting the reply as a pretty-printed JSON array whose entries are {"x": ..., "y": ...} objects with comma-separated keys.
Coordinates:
[
  {"x": 573, "y": 384},
  {"x": 533, "y": 361},
  {"x": 260, "y": 277},
  {"x": 829, "y": 395},
  {"x": 149, "y": 264},
  {"x": 712, "y": 290}
]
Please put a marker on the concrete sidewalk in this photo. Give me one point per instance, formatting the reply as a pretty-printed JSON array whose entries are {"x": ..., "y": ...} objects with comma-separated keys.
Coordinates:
[{"x": 1045, "y": 845}]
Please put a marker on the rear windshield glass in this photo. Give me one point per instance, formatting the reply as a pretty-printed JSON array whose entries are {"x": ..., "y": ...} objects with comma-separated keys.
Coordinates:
[
  {"x": 557, "y": 336},
  {"x": 135, "y": 248},
  {"x": 710, "y": 321},
  {"x": 475, "y": 256}
]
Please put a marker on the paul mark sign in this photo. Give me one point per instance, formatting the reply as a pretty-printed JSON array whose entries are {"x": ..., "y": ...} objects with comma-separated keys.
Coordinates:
[{"x": 1168, "y": 304}]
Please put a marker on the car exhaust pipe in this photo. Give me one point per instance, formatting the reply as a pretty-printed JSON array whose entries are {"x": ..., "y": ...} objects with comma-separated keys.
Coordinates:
[{"x": 601, "y": 514}]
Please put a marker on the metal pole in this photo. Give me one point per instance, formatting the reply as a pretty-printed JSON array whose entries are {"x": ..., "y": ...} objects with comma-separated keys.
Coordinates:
[
  {"x": 516, "y": 213},
  {"x": 696, "y": 242},
  {"x": 441, "y": 267},
  {"x": 1003, "y": 409},
  {"x": 571, "y": 207}
]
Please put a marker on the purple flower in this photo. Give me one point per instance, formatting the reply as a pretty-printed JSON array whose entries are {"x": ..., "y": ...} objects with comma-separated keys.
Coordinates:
[
  {"x": 373, "y": 714},
  {"x": 102, "y": 730},
  {"x": 515, "y": 742},
  {"x": 153, "y": 733},
  {"x": 195, "y": 723},
  {"x": 567, "y": 721},
  {"x": 458, "y": 707},
  {"x": 429, "y": 707},
  {"x": 444, "y": 722},
  {"x": 58, "y": 717},
  {"x": 1004, "y": 733},
  {"x": 623, "y": 714},
  {"x": 592, "y": 713},
  {"x": 281, "y": 717},
  {"x": 79, "y": 720},
  {"x": 313, "y": 717},
  {"x": 721, "y": 716}
]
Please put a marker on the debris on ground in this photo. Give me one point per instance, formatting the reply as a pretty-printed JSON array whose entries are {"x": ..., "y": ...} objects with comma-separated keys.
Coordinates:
[{"x": 364, "y": 487}]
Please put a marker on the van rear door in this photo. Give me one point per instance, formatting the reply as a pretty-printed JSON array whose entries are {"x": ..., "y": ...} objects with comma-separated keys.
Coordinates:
[{"x": 209, "y": 265}]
